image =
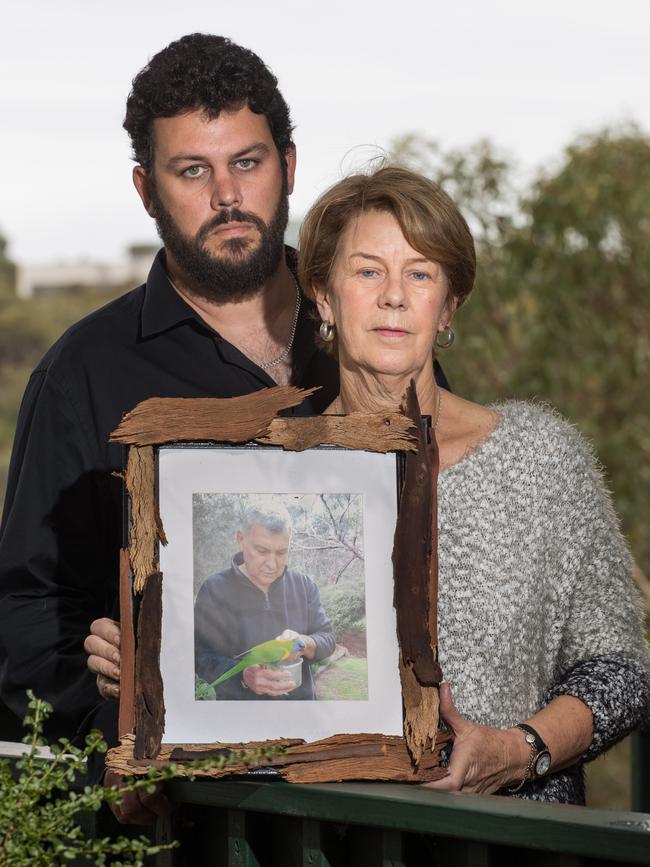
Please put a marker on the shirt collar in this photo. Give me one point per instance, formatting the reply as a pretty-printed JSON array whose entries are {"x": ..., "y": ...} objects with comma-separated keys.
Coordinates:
[{"x": 163, "y": 307}]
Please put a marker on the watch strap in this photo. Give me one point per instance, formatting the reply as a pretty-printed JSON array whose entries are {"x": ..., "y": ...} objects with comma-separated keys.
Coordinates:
[
  {"x": 537, "y": 746},
  {"x": 537, "y": 740}
]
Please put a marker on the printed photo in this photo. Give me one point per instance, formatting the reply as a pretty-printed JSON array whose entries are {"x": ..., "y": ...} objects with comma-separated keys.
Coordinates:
[
  {"x": 277, "y": 593},
  {"x": 280, "y": 597}
]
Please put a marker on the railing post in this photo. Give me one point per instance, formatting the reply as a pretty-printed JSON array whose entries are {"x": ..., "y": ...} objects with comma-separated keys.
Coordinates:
[
  {"x": 239, "y": 850},
  {"x": 640, "y": 771},
  {"x": 312, "y": 846},
  {"x": 376, "y": 847},
  {"x": 462, "y": 853},
  {"x": 163, "y": 834},
  {"x": 299, "y": 843}
]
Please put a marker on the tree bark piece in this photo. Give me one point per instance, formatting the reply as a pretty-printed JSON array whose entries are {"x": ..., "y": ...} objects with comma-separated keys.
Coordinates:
[
  {"x": 231, "y": 419},
  {"x": 146, "y": 529},
  {"x": 127, "y": 648},
  {"x": 336, "y": 759},
  {"x": 359, "y": 430},
  {"x": 149, "y": 700},
  {"x": 415, "y": 566}
]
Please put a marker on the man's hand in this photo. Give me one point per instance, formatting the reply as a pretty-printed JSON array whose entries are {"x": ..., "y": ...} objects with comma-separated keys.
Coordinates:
[
  {"x": 309, "y": 649},
  {"x": 483, "y": 758},
  {"x": 268, "y": 681},
  {"x": 103, "y": 649},
  {"x": 138, "y": 808}
]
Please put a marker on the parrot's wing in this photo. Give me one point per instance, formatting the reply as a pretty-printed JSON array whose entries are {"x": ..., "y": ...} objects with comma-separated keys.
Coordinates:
[{"x": 269, "y": 651}]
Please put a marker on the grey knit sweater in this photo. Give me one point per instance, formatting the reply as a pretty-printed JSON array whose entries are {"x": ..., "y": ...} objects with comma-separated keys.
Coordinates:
[{"x": 535, "y": 591}]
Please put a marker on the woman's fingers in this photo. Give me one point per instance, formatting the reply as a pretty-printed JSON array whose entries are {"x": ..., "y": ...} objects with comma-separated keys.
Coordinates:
[
  {"x": 479, "y": 758},
  {"x": 449, "y": 713}
]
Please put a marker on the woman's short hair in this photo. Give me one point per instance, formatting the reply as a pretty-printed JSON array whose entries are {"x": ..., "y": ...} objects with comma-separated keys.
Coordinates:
[{"x": 428, "y": 217}]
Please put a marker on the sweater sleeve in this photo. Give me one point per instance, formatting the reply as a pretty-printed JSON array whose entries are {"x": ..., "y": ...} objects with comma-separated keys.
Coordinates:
[
  {"x": 615, "y": 689},
  {"x": 604, "y": 659}
]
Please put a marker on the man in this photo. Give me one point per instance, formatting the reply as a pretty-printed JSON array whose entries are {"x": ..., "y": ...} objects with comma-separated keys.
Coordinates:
[
  {"x": 256, "y": 599},
  {"x": 221, "y": 315}
]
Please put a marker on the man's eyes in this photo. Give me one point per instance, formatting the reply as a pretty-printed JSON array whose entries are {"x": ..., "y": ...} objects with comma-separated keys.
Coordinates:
[
  {"x": 420, "y": 276},
  {"x": 246, "y": 164},
  {"x": 368, "y": 273},
  {"x": 194, "y": 171}
]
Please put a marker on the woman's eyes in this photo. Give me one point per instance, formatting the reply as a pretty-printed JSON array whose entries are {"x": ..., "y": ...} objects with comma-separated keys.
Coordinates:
[{"x": 418, "y": 276}]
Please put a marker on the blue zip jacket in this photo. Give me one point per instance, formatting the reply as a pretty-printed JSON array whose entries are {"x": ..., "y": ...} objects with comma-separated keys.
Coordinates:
[{"x": 231, "y": 615}]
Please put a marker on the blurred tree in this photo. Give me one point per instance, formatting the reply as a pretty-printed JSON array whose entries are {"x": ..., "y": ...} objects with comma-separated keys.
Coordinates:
[
  {"x": 334, "y": 529},
  {"x": 7, "y": 271},
  {"x": 560, "y": 311}
]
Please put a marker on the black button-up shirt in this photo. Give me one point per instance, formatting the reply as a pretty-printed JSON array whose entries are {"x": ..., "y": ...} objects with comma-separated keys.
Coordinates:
[{"x": 61, "y": 528}]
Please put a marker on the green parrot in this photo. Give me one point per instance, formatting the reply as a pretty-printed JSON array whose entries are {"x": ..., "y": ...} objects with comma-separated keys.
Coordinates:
[{"x": 267, "y": 653}]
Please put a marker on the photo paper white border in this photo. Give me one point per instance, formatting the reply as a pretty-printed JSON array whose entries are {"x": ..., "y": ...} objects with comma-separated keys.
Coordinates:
[{"x": 184, "y": 471}]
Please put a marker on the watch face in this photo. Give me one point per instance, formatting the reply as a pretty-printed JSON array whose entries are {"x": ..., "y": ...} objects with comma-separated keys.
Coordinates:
[{"x": 542, "y": 764}]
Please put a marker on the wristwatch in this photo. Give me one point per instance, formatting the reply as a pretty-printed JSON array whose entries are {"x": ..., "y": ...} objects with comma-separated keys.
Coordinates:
[{"x": 539, "y": 762}]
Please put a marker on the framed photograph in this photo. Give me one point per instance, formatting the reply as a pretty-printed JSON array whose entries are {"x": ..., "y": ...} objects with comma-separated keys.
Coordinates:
[
  {"x": 280, "y": 579},
  {"x": 265, "y": 548}
]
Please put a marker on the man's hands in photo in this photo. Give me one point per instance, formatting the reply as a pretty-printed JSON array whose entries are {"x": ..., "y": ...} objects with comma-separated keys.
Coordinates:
[
  {"x": 103, "y": 649},
  {"x": 268, "y": 681},
  {"x": 309, "y": 649},
  {"x": 264, "y": 680}
]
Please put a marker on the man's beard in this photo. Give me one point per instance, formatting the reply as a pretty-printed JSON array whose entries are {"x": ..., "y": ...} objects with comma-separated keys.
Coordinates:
[{"x": 238, "y": 274}]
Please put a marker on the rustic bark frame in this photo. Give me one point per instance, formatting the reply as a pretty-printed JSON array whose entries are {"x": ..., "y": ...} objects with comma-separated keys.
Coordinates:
[{"x": 253, "y": 418}]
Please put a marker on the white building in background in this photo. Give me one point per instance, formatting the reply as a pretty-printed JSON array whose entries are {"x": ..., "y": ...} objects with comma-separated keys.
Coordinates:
[{"x": 34, "y": 280}]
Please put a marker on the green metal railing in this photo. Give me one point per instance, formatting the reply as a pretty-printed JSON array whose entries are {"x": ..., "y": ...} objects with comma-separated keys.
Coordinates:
[
  {"x": 640, "y": 771},
  {"x": 253, "y": 824}
]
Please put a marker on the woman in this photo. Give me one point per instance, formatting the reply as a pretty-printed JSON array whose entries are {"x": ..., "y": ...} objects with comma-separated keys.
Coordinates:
[{"x": 539, "y": 622}]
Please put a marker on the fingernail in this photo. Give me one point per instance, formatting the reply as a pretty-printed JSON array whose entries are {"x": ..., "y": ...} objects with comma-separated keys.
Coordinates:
[
  {"x": 116, "y": 658},
  {"x": 116, "y": 673},
  {"x": 116, "y": 639}
]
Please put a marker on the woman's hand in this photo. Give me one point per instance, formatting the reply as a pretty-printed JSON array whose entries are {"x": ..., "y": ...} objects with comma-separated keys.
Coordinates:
[
  {"x": 483, "y": 758},
  {"x": 103, "y": 649}
]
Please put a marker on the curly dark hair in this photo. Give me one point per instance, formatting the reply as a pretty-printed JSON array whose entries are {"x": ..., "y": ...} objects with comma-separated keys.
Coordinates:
[{"x": 203, "y": 71}]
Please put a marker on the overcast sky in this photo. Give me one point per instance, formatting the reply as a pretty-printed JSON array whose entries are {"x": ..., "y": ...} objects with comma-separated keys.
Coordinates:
[{"x": 528, "y": 75}]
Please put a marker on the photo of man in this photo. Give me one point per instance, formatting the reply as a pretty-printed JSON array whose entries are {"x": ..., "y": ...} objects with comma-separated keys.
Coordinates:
[{"x": 259, "y": 600}]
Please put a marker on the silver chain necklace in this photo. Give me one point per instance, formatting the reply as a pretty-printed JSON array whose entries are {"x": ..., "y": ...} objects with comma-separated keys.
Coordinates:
[{"x": 278, "y": 359}]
